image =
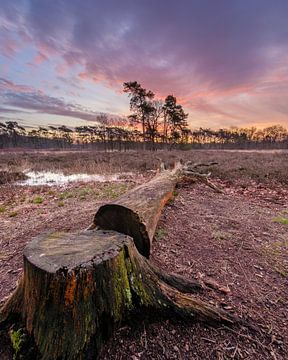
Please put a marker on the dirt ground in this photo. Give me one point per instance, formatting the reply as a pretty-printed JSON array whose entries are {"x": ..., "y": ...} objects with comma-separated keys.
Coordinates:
[{"x": 237, "y": 241}]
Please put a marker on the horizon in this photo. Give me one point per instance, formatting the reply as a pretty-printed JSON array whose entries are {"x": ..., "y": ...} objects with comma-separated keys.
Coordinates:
[{"x": 65, "y": 62}]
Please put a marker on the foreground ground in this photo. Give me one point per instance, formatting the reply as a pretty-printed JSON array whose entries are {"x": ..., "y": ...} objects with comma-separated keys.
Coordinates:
[{"x": 237, "y": 240}]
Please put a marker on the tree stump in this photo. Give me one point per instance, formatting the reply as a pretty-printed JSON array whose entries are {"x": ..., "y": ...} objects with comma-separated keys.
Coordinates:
[{"x": 78, "y": 287}]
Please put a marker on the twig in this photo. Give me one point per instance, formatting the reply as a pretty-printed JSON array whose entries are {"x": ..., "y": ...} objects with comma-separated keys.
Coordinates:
[
  {"x": 247, "y": 337},
  {"x": 162, "y": 164},
  {"x": 189, "y": 170},
  {"x": 209, "y": 340},
  {"x": 204, "y": 179},
  {"x": 195, "y": 165}
]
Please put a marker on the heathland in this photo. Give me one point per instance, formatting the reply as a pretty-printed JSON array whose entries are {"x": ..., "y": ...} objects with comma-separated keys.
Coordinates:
[{"x": 236, "y": 240}]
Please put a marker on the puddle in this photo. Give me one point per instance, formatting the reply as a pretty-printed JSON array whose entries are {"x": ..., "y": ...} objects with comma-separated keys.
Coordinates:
[{"x": 53, "y": 178}]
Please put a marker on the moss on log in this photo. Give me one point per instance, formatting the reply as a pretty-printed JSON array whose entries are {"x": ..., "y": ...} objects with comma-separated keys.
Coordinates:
[{"x": 77, "y": 287}]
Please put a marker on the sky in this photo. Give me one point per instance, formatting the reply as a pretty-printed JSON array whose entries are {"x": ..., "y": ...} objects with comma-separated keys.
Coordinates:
[{"x": 64, "y": 61}]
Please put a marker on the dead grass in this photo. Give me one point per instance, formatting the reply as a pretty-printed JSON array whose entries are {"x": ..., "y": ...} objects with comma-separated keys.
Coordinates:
[
  {"x": 233, "y": 166},
  {"x": 10, "y": 176},
  {"x": 227, "y": 236}
]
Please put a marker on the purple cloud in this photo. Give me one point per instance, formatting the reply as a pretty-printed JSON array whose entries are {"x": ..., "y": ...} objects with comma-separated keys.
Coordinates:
[
  {"x": 23, "y": 97},
  {"x": 223, "y": 42},
  {"x": 206, "y": 52}
]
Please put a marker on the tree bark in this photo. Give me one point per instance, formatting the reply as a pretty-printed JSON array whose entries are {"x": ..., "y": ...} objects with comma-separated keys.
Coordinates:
[
  {"x": 137, "y": 213},
  {"x": 77, "y": 288}
]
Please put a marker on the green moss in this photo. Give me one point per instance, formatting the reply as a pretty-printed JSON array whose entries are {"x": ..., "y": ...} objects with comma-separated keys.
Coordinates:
[
  {"x": 66, "y": 195},
  {"x": 61, "y": 203},
  {"x": 2, "y": 209},
  {"x": 83, "y": 193},
  {"x": 38, "y": 200},
  {"x": 126, "y": 280},
  {"x": 128, "y": 295},
  {"x": 175, "y": 193},
  {"x": 121, "y": 288},
  {"x": 136, "y": 283},
  {"x": 160, "y": 234},
  {"x": 17, "y": 340},
  {"x": 281, "y": 220},
  {"x": 112, "y": 191},
  {"x": 282, "y": 271},
  {"x": 171, "y": 200}
]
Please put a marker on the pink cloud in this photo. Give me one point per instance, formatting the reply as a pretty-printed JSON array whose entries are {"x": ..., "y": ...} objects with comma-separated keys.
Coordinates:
[
  {"x": 6, "y": 85},
  {"x": 9, "y": 47},
  {"x": 40, "y": 58},
  {"x": 62, "y": 69},
  {"x": 220, "y": 60}
]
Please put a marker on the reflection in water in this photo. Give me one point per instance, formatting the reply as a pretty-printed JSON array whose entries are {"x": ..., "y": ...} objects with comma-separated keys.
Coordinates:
[{"x": 53, "y": 178}]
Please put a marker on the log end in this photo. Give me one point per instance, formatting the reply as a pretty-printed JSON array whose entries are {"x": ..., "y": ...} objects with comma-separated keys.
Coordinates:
[{"x": 125, "y": 221}]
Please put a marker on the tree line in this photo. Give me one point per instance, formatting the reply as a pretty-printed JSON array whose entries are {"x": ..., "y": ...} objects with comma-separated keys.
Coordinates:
[
  {"x": 116, "y": 138},
  {"x": 153, "y": 124}
]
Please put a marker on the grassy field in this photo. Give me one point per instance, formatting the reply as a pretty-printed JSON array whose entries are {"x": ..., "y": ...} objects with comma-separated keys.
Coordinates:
[
  {"x": 263, "y": 167},
  {"x": 237, "y": 239}
]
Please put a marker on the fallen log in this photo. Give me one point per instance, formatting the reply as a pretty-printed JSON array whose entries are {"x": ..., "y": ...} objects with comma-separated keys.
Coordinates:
[
  {"x": 137, "y": 213},
  {"x": 76, "y": 288}
]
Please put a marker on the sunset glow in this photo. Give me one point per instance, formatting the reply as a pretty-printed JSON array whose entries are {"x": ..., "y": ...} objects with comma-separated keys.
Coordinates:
[{"x": 64, "y": 62}]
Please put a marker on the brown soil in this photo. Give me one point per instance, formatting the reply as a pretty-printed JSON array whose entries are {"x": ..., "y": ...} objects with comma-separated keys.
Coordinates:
[
  {"x": 235, "y": 240},
  {"x": 231, "y": 240}
]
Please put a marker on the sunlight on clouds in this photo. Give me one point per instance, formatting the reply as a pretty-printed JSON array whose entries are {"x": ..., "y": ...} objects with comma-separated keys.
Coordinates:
[{"x": 223, "y": 74}]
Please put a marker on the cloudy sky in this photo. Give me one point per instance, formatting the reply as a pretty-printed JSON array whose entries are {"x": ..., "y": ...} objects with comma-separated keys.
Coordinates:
[{"x": 64, "y": 61}]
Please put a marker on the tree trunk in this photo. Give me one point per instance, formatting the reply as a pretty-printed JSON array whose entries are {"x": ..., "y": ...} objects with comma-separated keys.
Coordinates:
[
  {"x": 77, "y": 288},
  {"x": 137, "y": 213}
]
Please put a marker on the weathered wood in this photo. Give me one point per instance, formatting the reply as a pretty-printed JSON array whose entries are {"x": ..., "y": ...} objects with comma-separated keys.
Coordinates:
[
  {"x": 137, "y": 212},
  {"x": 77, "y": 287},
  {"x": 73, "y": 292}
]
